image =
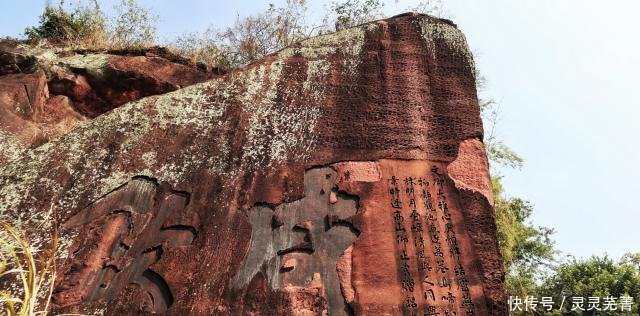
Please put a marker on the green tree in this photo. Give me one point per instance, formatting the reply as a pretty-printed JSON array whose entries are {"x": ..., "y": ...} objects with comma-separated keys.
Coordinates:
[
  {"x": 598, "y": 277},
  {"x": 525, "y": 249}
]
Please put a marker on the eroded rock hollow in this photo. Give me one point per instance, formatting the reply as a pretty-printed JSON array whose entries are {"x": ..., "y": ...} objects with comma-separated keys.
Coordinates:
[{"x": 344, "y": 175}]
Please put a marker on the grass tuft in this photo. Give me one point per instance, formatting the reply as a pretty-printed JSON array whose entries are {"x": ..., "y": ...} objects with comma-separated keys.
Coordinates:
[{"x": 28, "y": 277}]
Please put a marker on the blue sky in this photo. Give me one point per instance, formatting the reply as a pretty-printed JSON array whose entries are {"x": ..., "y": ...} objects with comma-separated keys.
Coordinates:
[{"x": 565, "y": 74}]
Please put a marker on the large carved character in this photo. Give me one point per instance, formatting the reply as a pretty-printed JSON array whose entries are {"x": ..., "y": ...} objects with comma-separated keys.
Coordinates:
[
  {"x": 298, "y": 244},
  {"x": 119, "y": 238}
]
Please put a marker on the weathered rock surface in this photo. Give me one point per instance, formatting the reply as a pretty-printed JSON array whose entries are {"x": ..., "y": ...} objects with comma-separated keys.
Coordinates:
[
  {"x": 344, "y": 175},
  {"x": 46, "y": 92}
]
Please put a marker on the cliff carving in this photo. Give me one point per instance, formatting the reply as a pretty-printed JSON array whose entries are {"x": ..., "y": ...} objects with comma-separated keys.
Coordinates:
[{"x": 343, "y": 175}]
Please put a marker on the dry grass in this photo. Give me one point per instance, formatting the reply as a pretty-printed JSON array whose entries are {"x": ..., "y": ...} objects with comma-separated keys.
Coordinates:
[{"x": 29, "y": 277}]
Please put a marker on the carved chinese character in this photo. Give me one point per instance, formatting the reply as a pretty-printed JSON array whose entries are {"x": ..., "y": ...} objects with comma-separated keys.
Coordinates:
[
  {"x": 396, "y": 203},
  {"x": 431, "y": 311},
  {"x": 410, "y": 302},
  {"x": 444, "y": 282},
  {"x": 123, "y": 235},
  {"x": 408, "y": 286},
  {"x": 314, "y": 228},
  {"x": 449, "y": 298}
]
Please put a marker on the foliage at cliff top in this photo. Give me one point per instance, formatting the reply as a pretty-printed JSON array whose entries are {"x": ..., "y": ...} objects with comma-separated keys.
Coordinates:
[{"x": 87, "y": 26}]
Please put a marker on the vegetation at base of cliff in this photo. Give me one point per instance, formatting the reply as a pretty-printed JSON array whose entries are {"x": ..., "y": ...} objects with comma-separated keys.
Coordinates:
[
  {"x": 87, "y": 26},
  {"x": 525, "y": 248},
  {"x": 596, "y": 277},
  {"x": 28, "y": 277}
]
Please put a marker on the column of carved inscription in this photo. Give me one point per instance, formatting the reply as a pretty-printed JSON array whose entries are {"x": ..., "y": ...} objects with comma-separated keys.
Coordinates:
[
  {"x": 454, "y": 250},
  {"x": 408, "y": 284},
  {"x": 428, "y": 286},
  {"x": 417, "y": 228},
  {"x": 434, "y": 284}
]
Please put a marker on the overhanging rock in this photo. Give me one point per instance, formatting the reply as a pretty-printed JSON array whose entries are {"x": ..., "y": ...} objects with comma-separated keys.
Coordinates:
[{"x": 344, "y": 175}]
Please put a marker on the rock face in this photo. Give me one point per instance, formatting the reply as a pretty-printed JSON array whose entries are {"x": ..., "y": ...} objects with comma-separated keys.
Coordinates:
[
  {"x": 29, "y": 116},
  {"x": 344, "y": 175},
  {"x": 46, "y": 92}
]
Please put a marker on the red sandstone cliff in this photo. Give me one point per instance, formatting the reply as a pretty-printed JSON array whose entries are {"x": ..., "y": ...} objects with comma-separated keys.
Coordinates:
[{"x": 344, "y": 175}]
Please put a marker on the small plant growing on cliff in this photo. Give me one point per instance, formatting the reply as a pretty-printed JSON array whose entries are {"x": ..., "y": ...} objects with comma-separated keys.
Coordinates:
[
  {"x": 133, "y": 26},
  {"x": 353, "y": 12},
  {"x": 348, "y": 13},
  {"x": 29, "y": 279},
  {"x": 203, "y": 49}
]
